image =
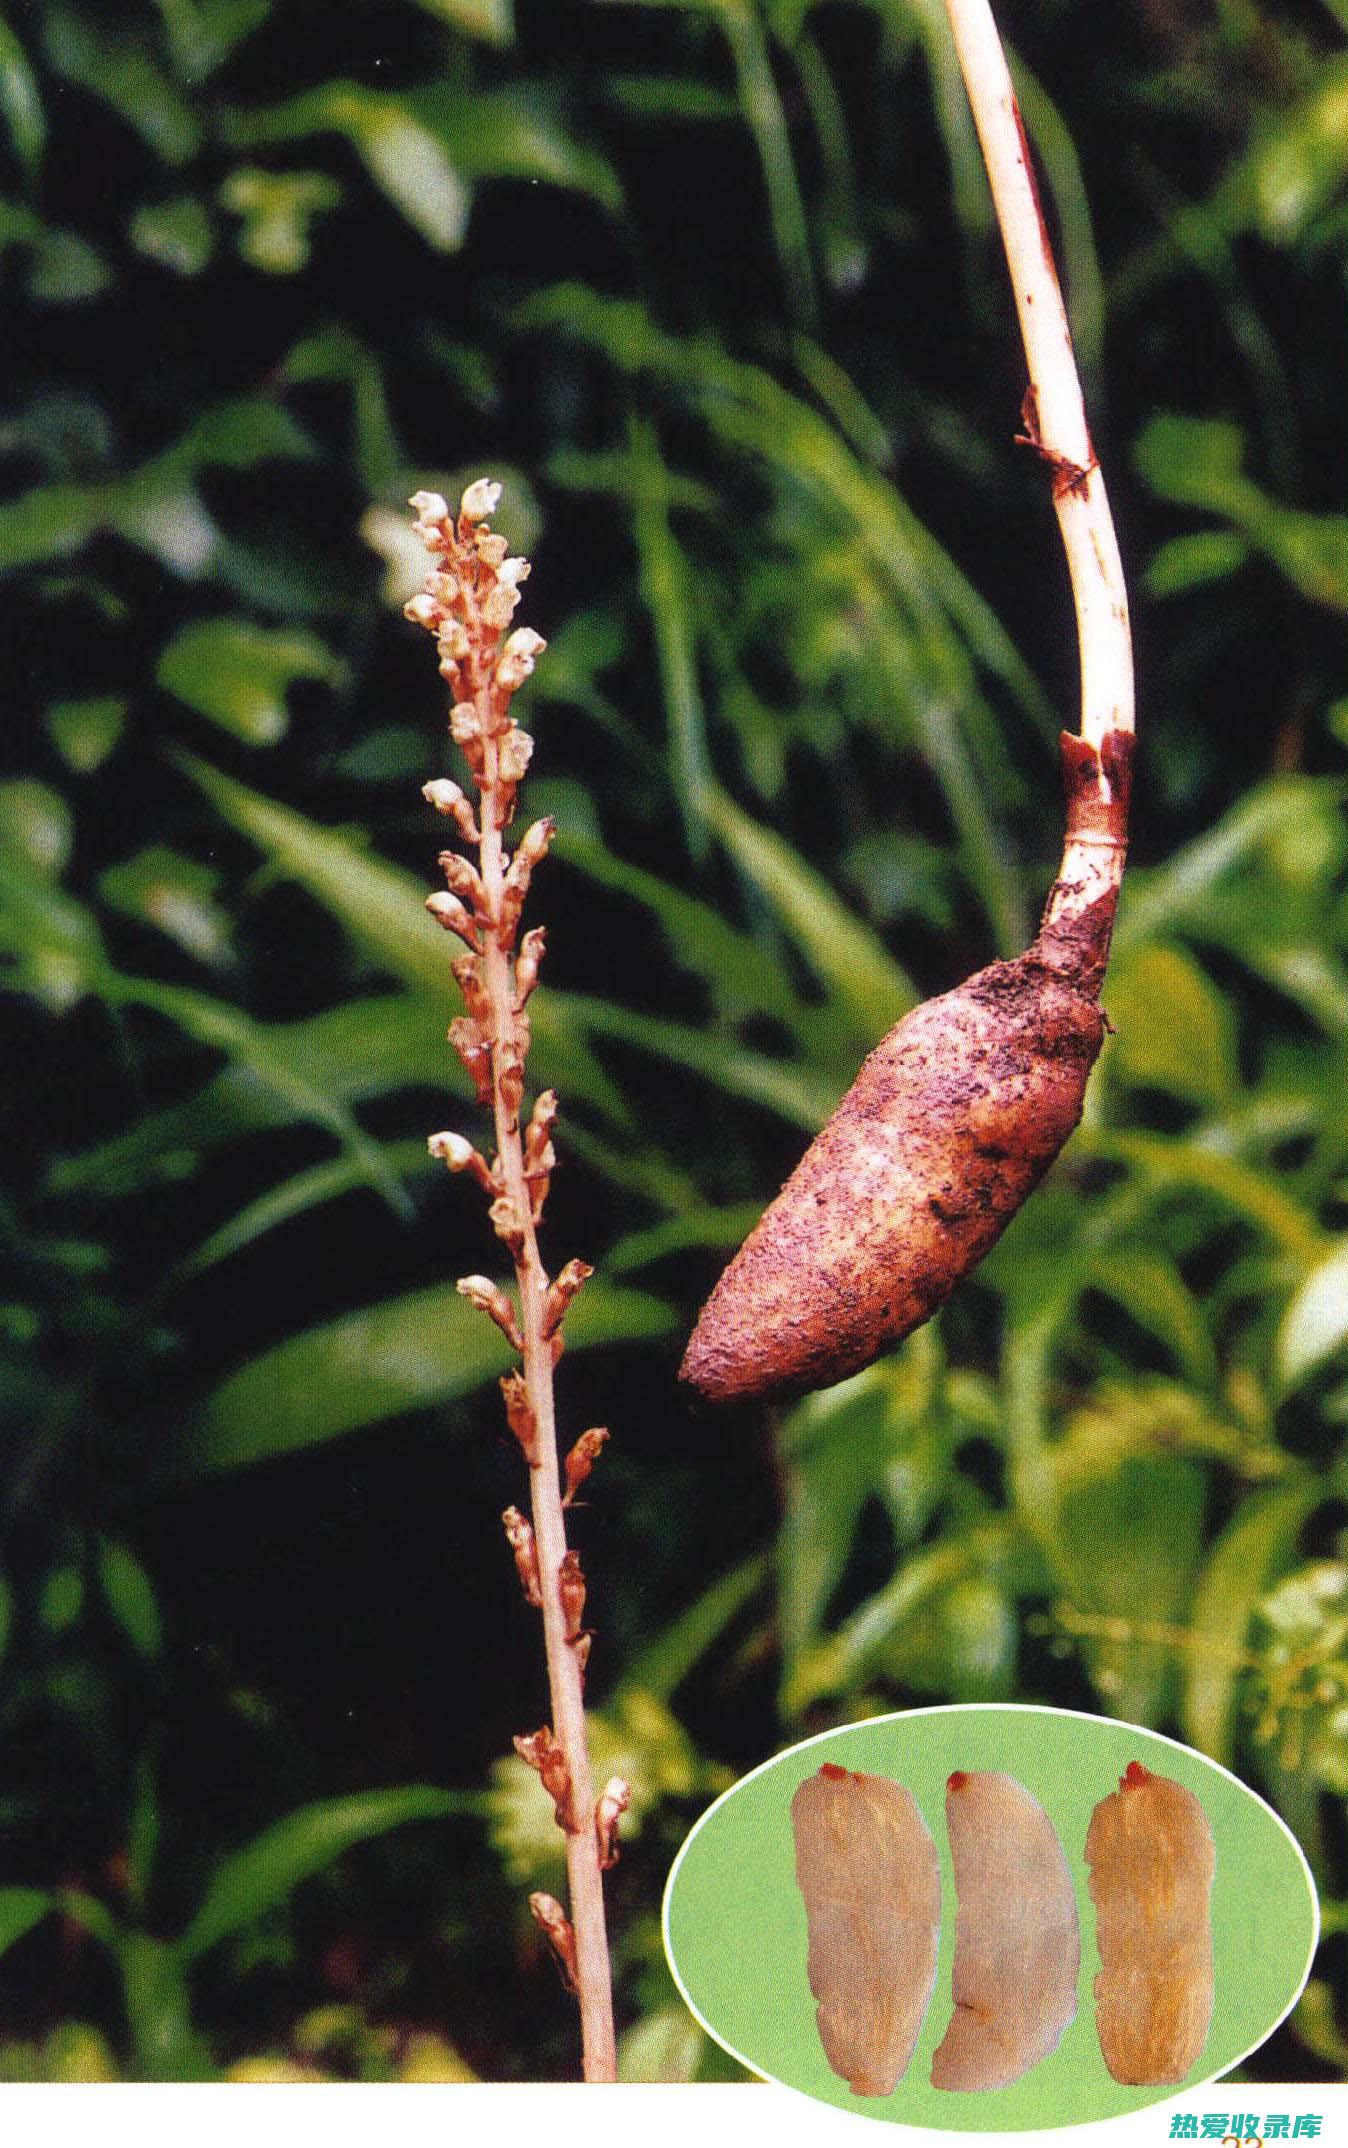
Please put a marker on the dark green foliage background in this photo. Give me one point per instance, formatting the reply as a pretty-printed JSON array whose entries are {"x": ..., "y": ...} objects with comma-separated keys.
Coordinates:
[{"x": 712, "y": 288}]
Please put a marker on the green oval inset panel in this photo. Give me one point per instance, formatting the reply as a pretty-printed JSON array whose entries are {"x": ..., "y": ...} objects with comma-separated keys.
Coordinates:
[{"x": 735, "y": 1927}]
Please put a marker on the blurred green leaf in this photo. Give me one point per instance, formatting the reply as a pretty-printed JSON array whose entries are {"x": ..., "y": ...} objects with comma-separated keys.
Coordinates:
[
  {"x": 129, "y": 1595},
  {"x": 177, "y": 234},
  {"x": 238, "y": 674},
  {"x": 277, "y": 211},
  {"x": 405, "y": 158},
  {"x": 491, "y": 20},
  {"x": 862, "y": 979},
  {"x": 1257, "y": 1545},
  {"x": 665, "y": 2046},
  {"x": 515, "y": 132},
  {"x": 20, "y": 1909},
  {"x": 85, "y": 732},
  {"x": 1173, "y": 1028},
  {"x": 1315, "y": 1324},
  {"x": 176, "y": 895},
  {"x": 20, "y": 102},
  {"x": 1126, "y": 1538},
  {"x": 415, "y": 1352},
  {"x": 113, "y": 62},
  {"x": 879, "y": 1435},
  {"x": 264, "y": 1872},
  {"x": 263, "y": 1052},
  {"x": 35, "y": 828}
]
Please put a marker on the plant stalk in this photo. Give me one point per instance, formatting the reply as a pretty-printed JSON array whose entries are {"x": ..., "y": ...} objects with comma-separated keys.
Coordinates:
[
  {"x": 594, "y": 1987},
  {"x": 1054, "y": 418}
]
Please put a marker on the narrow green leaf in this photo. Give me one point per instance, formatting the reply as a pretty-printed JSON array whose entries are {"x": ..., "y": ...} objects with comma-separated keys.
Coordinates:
[
  {"x": 795, "y": 1093},
  {"x": 665, "y": 589},
  {"x": 1256, "y": 1547},
  {"x": 664, "y": 1663},
  {"x": 225, "y": 1028},
  {"x": 384, "y": 909},
  {"x": 20, "y": 1909},
  {"x": 741, "y": 973},
  {"x": 266, "y": 1870},
  {"x": 296, "y": 1197},
  {"x": 411, "y": 1353},
  {"x": 843, "y": 952},
  {"x": 1176, "y": 1165}
]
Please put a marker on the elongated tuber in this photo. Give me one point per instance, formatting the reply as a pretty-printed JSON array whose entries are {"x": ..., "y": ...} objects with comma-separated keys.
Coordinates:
[
  {"x": 1017, "y": 1938},
  {"x": 1152, "y": 1860},
  {"x": 950, "y": 1124},
  {"x": 867, "y": 1868}
]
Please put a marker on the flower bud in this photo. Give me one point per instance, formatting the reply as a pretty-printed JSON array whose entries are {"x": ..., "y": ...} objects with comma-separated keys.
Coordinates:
[
  {"x": 614, "y": 1799},
  {"x": 423, "y": 610},
  {"x": 448, "y": 911},
  {"x": 481, "y": 499},
  {"x": 455, "y": 1150}
]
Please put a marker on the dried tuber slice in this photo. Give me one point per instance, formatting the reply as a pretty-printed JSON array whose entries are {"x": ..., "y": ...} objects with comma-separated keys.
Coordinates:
[
  {"x": 1017, "y": 1937},
  {"x": 867, "y": 1868},
  {"x": 1152, "y": 1860},
  {"x": 950, "y": 1124}
]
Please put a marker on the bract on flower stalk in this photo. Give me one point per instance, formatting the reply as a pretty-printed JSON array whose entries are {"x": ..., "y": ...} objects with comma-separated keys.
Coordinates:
[{"x": 467, "y": 603}]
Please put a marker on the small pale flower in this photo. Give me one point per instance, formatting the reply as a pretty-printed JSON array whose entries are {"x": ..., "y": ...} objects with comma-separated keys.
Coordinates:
[
  {"x": 481, "y": 499},
  {"x": 442, "y": 794},
  {"x": 452, "y": 1149},
  {"x": 512, "y": 572},
  {"x": 498, "y": 607},
  {"x": 429, "y": 506},
  {"x": 423, "y": 610},
  {"x": 518, "y": 658}
]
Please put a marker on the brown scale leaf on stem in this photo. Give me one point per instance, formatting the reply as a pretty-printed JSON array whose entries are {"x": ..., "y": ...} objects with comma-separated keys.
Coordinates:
[{"x": 951, "y": 1123}]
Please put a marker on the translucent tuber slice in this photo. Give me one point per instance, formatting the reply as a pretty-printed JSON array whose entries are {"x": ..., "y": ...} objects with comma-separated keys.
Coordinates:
[
  {"x": 1017, "y": 1936},
  {"x": 867, "y": 1868},
  {"x": 951, "y": 1123},
  {"x": 1152, "y": 1860}
]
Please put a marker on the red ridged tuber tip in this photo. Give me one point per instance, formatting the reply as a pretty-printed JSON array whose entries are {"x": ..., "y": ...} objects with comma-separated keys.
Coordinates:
[
  {"x": 957, "y": 1780},
  {"x": 833, "y": 1773},
  {"x": 1134, "y": 1776}
]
